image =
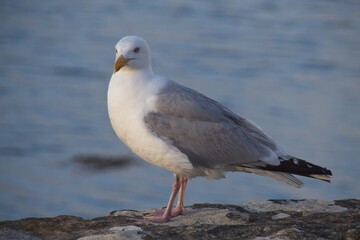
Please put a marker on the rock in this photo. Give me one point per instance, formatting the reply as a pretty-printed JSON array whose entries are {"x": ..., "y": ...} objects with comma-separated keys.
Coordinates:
[
  {"x": 292, "y": 233},
  {"x": 294, "y": 205},
  {"x": 120, "y": 233},
  {"x": 260, "y": 220},
  {"x": 280, "y": 216}
]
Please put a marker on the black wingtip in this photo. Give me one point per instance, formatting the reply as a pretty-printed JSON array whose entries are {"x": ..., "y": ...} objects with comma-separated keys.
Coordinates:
[{"x": 301, "y": 167}]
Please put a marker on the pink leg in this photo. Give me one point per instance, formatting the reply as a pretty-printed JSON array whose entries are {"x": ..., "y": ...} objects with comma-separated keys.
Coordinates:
[
  {"x": 165, "y": 217},
  {"x": 180, "y": 203}
]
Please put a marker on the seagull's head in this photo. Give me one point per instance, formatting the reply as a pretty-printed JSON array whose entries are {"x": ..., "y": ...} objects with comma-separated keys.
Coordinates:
[{"x": 132, "y": 52}]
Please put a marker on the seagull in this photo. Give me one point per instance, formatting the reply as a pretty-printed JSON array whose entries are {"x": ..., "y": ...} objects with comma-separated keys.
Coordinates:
[{"x": 179, "y": 129}]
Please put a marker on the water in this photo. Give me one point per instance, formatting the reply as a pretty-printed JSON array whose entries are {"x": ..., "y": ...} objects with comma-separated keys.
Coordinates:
[{"x": 292, "y": 67}]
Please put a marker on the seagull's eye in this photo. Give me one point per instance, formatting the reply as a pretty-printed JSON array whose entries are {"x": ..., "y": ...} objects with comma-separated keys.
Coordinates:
[
  {"x": 136, "y": 50},
  {"x": 116, "y": 51}
]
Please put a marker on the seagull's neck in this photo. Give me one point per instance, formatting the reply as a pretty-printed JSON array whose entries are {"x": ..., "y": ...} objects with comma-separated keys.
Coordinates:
[
  {"x": 133, "y": 91},
  {"x": 144, "y": 73}
]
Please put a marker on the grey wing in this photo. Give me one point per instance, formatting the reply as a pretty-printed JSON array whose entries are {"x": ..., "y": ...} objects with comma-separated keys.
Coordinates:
[{"x": 208, "y": 133}]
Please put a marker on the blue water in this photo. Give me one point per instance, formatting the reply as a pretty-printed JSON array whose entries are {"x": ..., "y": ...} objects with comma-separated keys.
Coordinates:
[{"x": 293, "y": 67}]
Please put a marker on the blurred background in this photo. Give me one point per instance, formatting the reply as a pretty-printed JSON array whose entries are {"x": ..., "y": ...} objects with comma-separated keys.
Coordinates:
[{"x": 292, "y": 67}]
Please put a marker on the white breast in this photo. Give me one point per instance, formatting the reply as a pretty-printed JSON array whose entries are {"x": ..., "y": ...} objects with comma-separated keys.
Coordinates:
[{"x": 130, "y": 98}]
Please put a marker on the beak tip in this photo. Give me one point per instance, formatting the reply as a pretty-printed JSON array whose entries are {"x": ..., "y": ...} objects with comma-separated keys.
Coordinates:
[{"x": 120, "y": 62}]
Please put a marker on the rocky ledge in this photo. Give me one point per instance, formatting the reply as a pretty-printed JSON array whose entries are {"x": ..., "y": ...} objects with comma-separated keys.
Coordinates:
[{"x": 259, "y": 220}]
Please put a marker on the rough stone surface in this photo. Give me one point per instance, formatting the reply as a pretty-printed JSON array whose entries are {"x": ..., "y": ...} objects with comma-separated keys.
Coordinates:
[{"x": 260, "y": 220}]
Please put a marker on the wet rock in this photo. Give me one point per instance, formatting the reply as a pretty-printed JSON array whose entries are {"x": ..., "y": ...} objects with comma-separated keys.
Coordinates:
[{"x": 260, "y": 220}]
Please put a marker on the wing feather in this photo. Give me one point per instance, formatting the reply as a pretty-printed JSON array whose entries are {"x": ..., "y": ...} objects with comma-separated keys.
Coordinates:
[{"x": 208, "y": 133}]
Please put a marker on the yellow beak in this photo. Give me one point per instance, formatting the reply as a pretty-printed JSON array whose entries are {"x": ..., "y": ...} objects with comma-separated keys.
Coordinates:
[{"x": 120, "y": 62}]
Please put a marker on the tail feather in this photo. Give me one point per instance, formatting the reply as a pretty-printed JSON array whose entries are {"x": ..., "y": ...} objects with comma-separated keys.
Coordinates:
[{"x": 280, "y": 176}]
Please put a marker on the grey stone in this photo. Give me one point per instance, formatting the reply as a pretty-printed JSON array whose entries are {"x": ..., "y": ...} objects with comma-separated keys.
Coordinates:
[
  {"x": 294, "y": 219},
  {"x": 294, "y": 205},
  {"x": 119, "y": 233},
  {"x": 280, "y": 216}
]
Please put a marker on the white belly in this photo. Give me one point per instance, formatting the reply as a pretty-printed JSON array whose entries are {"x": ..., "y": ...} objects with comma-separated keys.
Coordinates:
[{"x": 128, "y": 103}]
